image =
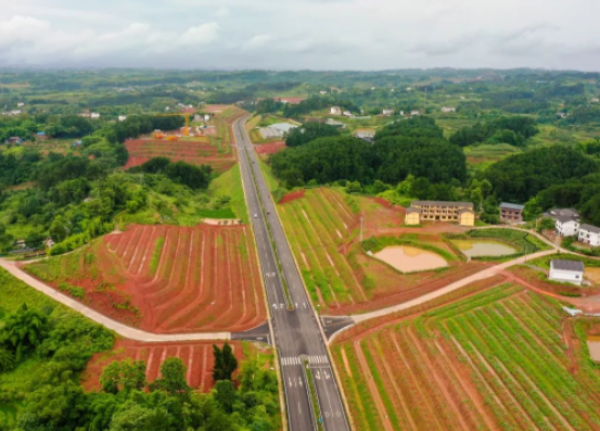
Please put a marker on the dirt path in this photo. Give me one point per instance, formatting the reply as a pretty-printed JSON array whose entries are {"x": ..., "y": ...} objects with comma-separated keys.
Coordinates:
[{"x": 119, "y": 328}]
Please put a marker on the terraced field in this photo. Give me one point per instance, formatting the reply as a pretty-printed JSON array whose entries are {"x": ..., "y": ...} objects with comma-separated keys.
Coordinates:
[
  {"x": 166, "y": 279},
  {"x": 196, "y": 357},
  {"x": 323, "y": 227},
  {"x": 197, "y": 151},
  {"x": 499, "y": 359},
  {"x": 214, "y": 147}
]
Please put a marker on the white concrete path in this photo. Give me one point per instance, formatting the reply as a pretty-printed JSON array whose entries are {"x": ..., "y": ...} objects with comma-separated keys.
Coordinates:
[
  {"x": 119, "y": 328},
  {"x": 481, "y": 275}
]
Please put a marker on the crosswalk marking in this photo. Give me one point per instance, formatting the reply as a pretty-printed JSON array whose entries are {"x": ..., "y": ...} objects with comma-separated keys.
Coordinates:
[{"x": 296, "y": 360}]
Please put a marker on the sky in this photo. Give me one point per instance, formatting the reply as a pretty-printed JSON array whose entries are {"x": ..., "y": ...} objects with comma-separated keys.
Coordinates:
[{"x": 300, "y": 34}]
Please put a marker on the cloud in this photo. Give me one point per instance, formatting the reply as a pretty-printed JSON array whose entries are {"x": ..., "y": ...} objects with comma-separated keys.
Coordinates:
[
  {"x": 222, "y": 12},
  {"x": 31, "y": 41},
  {"x": 307, "y": 34},
  {"x": 258, "y": 41},
  {"x": 201, "y": 35}
]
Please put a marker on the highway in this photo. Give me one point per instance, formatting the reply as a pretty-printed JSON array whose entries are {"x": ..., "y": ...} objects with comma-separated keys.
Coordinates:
[{"x": 297, "y": 334}]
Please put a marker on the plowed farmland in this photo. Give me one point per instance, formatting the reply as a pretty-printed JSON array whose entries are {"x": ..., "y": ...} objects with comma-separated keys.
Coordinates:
[
  {"x": 502, "y": 359},
  {"x": 214, "y": 148},
  {"x": 196, "y": 151},
  {"x": 196, "y": 357},
  {"x": 167, "y": 279},
  {"x": 323, "y": 227}
]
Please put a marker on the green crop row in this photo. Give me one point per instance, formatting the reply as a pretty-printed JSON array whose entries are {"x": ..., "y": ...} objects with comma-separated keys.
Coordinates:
[{"x": 156, "y": 255}]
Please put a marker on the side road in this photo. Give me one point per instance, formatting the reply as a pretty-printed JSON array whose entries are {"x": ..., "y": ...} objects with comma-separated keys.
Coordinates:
[
  {"x": 486, "y": 273},
  {"x": 119, "y": 328}
]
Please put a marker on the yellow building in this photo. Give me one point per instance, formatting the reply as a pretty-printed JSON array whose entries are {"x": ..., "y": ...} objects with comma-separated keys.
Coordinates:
[{"x": 421, "y": 211}]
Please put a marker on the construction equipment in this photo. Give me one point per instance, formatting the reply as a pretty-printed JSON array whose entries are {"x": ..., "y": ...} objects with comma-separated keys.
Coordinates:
[{"x": 186, "y": 129}]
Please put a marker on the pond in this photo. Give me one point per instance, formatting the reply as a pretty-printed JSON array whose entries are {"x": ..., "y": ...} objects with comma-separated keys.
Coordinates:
[
  {"x": 593, "y": 343},
  {"x": 481, "y": 248},
  {"x": 409, "y": 259}
]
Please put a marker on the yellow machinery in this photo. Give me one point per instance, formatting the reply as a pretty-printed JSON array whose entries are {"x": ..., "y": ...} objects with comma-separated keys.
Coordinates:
[{"x": 186, "y": 130}]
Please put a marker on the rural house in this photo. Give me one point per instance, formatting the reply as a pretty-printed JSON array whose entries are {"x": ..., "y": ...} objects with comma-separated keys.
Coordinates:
[
  {"x": 511, "y": 213},
  {"x": 41, "y": 136},
  {"x": 388, "y": 112},
  {"x": 336, "y": 110},
  {"x": 569, "y": 271},
  {"x": 461, "y": 212},
  {"x": 448, "y": 109},
  {"x": 589, "y": 234},
  {"x": 567, "y": 220}
]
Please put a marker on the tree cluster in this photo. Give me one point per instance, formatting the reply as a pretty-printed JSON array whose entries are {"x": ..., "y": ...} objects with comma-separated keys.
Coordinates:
[
  {"x": 309, "y": 132},
  {"x": 195, "y": 177},
  {"x": 513, "y": 130},
  {"x": 522, "y": 176},
  {"x": 414, "y": 147}
]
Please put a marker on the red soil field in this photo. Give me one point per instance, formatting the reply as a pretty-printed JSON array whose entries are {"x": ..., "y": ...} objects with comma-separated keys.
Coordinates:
[
  {"x": 194, "y": 152},
  {"x": 201, "y": 279},
  {"x": 197, "y": 357},
  {"x": 270, "y": 148},
  {"x": 214, "y": 109},
  {"x": 292, "y": 196}
]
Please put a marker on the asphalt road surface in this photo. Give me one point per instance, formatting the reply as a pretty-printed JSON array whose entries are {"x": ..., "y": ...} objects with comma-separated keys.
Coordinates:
[{"x": 297, "y": 334}]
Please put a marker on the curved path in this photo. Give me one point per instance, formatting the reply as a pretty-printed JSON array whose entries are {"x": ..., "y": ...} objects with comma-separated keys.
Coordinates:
[
  {"x": 486, "y": 273},
  {"x": 121, "y": 329}
]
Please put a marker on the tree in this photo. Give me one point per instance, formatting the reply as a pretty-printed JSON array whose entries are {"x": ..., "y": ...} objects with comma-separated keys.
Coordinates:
[
  {"x": 6, "y": 240},
  {"x": 7, "y": 360},
  {"x": 225, "y": 394},
  {"x": 173, "y": 379},
  {"x": 35, "y": 239},
  {"x": 58, "y": 229},
  {"x": 125, "y": 376},
  {"x": 24, "y": 330},
  {"x": 225, "y": 363}
]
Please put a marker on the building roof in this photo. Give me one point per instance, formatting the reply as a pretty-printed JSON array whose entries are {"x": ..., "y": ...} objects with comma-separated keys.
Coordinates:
[
  {"x": 466, "y": 211},
  {"x": 567, "y": 265},
  {"x": 565, "y": 218},
  {"x": 512, "y": 206},
  {"x": 590, "y": 228},
  {"x": 562, "y": 212},
  {"x": 411, "y": 210},
  {"x": 442, "y": 203}
]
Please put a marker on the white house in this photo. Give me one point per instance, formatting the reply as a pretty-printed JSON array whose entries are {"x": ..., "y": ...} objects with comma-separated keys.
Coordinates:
[
  {"x": 416, "y": 112},
  {"x": 206, "y": 117},
  {"x": 589, "y": 234},
  {"x": 336, "y": 110},
  {"x": 347, "y": 113},
  {"x": 122, "y": 117},
  {"x": 595, "y": 100},
  {"x": 94, "y": 115},
  {"x": 323, "y": 92},
  {"x": 447, "y": 109},
  {"x": 15, "y": 112},
  {"x": 567, "y": 226},
  {"x": 567, "y": 220},
  {"x": 388, "y": 112},
  {"x": 20, "y": 104},
  {"x": 569, "y": 271}
]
